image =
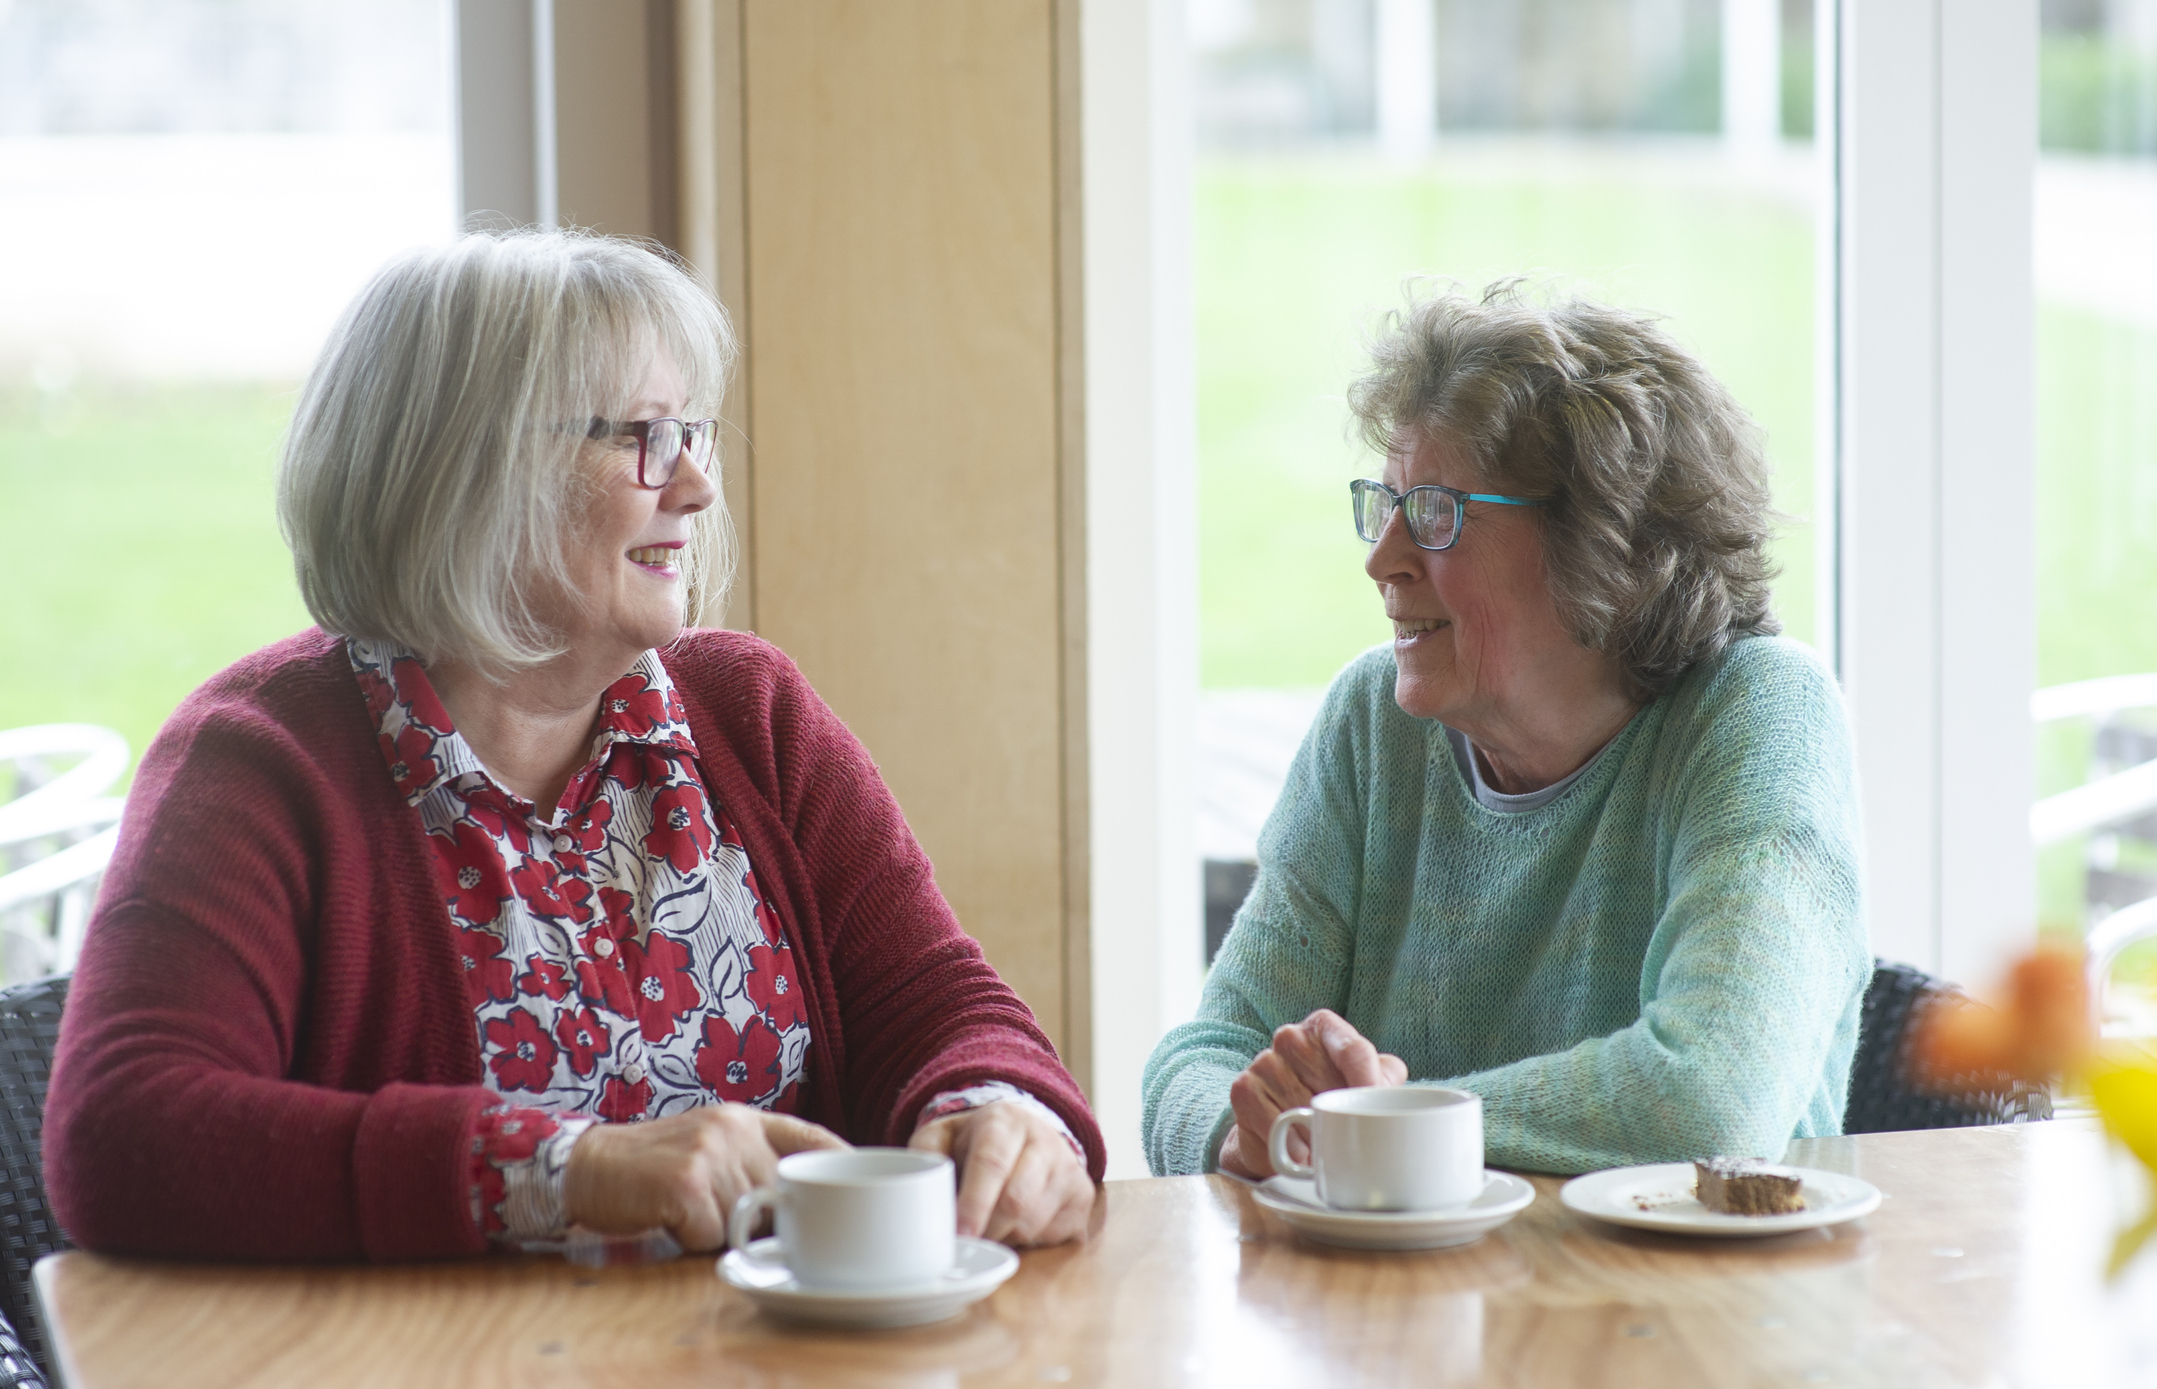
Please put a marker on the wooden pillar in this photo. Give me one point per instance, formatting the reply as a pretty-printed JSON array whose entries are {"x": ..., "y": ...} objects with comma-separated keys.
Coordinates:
[{"x": 983, "y": 567}]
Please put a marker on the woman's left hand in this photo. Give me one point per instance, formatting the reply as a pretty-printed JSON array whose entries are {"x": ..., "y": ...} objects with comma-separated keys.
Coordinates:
[{"x": 1019, "y": 1180}]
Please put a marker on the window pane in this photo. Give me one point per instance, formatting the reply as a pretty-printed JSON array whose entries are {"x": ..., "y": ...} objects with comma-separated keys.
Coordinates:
[
  {"x": 1345, "y": 145},
  {"x": 2096, "y": 280},
  {"x": 201, "y": 186}
]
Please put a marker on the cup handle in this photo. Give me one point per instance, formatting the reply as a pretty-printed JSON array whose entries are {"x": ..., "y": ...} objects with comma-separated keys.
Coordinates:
[
  {"x": 1277, "y": 1142},
  {"x": 741, "y": 1221}
]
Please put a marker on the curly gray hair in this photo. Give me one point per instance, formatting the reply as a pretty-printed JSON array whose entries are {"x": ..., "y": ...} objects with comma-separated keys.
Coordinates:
[{"x": 1655, "y": 484}]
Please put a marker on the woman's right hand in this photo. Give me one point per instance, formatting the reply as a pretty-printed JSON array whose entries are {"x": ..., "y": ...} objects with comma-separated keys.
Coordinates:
[
  {"x": 683, "y": 1172},
  {"x": 1323, "y": 1052}
]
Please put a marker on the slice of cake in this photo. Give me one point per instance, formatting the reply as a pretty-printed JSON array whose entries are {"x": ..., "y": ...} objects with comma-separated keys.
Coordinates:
[{"x": 1747, "y": 1186}]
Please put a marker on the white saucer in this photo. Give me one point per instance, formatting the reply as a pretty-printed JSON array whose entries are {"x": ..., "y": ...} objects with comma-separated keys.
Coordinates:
[
  {"x": 981, "y": 1268},
  {"x": 1295, "y": 1201},
  {"x": 1660, "y": 1197}
]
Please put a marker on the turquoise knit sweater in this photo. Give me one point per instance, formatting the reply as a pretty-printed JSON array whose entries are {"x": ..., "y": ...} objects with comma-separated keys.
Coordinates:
[{"x": 1664, "y": 962}]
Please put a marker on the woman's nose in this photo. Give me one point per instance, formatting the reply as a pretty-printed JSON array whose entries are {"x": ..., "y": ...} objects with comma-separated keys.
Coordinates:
[
  {"x": 1394, "y": 557},
  {"x": 691, "y": 488}
]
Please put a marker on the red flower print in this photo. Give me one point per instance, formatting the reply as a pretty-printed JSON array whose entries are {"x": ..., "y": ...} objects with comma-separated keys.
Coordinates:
[
  {"x": 631, "y": 765},
  {"x": 583, "y": 1037},
  {"x": 680, "y": 832},
  {"x": 547, "y": 893},
  {"x": 411, "y": 758},
  {"x": 502, "y": 821},
  {"x": 543, "y": 978},
  {"x": 622, "y": 1103},
  {"x": 468, "y": 869},
  {"x": 493, "y": 1189},
  {"x": 419, "y": 696},
  {"x": 772, "y": 986},
  {"x": 375, "y": 690},
  {"x": 510, "y": 1134},
  {"x": 524, "y": 1054},
  {"x": 741, "y": 1067},
  {"x": 630, "y": 706},
  {"x": 487, "y": 976},
  {"x": 603, "y": 983},
  {"x": 588, "y": 832},
  {"x": 620, "y": 911},
  {"x": 666, "y": 992}
]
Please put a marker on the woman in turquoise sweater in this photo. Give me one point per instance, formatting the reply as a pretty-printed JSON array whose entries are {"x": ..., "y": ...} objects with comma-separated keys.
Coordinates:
[{"x": 1583, "y": 838}]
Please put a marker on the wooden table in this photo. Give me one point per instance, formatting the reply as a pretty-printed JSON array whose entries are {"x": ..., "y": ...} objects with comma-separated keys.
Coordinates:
[{"x": 1983, "y": 1267}]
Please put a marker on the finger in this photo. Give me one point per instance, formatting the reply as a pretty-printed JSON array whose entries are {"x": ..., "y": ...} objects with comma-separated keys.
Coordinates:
[
  {"x": 1352, "y": 1054},
  {"x": 1277, "y": 1079},
  {"x": 1308, "y": 1057},
  {"x": 704, "y": 1228},
  {"x": 936, "y": 1136},
  {"x": 1393, "y": 1068},
  {"x": 787, "y": 1134},
  {"x": 1253, "y": 1107},
  {"x": 1023, "y": 1210},
  {"x": 990, "y": 1151},
  {"x": 1074, "y": 1194}
]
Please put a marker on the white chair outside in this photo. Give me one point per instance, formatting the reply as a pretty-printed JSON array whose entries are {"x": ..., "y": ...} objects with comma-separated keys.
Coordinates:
[
  {"x": 57, "y": 833},
  {"x": 2117, "y": 806}
]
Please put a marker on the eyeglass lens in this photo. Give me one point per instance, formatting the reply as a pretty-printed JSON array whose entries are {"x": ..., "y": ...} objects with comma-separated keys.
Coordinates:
[
  {"x": 666, "y": 441},
  {"x": 1433, "y": 516}
]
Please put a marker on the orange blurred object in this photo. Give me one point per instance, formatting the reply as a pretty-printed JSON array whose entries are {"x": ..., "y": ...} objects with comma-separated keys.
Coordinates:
[{"x": 2040, "y": 1031}]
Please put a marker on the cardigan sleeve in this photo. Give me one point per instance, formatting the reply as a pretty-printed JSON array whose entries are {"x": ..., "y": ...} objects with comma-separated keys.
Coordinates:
[
  {"x": 922, "y": 1011},
  {"x": 174, "y": 1126}
]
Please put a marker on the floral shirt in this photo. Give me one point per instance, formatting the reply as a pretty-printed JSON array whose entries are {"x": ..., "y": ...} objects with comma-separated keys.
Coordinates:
[{"x": 620, "y": 961}]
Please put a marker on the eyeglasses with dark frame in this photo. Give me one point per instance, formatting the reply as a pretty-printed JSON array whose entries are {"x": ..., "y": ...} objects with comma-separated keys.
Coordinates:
[
  {"x": 661, "y": 445},
  {"x": 1435, "y": 514}
]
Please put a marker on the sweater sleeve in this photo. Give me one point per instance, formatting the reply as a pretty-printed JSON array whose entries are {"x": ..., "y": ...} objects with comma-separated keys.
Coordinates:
[
  {"x": 173, "y": 1126},
  {"x": 1753, "y": 972},
  {"x": 923, "y": 1012},
  {"x": 1288, "y": 952}
]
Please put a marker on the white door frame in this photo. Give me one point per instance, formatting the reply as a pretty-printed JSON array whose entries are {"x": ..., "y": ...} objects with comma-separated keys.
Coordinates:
[{"x": 1928, "y": 472}]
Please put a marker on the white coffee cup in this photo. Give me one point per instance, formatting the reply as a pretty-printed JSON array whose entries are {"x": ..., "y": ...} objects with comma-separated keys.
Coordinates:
[
  {"x": 859, "y": 1217},
  {"x": 1387, "y": 1147}
]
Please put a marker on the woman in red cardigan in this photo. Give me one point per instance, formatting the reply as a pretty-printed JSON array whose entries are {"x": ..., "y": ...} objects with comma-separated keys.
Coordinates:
[{"x": 498, "y": 904}]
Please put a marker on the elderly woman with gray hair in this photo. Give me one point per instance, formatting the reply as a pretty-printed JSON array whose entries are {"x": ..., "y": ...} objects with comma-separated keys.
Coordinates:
[
  {"x": 498, "y": 908},
  {"x": 1583, "y": 838}
]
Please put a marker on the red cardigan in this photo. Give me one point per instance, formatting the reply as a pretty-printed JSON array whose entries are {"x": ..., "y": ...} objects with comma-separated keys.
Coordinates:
[{"x": 267, "y": 1052}]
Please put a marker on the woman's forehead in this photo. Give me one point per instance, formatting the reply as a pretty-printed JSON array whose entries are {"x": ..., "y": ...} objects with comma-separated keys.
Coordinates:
[{"x": 1428, "y": 457}]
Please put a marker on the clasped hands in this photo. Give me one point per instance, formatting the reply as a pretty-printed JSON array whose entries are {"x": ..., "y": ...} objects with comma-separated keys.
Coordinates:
[
  {"x": 1019, "y": 1180},
  {"x": 1323, "y": 1052}
]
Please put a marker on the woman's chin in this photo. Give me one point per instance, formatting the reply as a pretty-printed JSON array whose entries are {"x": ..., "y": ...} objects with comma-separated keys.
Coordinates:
[{"x": 1420, "y": 697}]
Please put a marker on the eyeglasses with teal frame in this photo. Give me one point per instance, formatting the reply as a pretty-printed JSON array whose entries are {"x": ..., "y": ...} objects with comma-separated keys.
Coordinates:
[{"x": 1435, "y": 514}]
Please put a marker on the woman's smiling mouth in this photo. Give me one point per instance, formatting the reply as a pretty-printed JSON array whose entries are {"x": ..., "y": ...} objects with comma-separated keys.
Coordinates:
[
  {"x": 658, "y": 557},
  {"x": 1409, "y": 628}
]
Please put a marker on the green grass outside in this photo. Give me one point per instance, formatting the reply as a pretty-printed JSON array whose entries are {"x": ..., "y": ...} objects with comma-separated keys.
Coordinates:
[
  {"x": 141, "y": 553},
  {"x": 1293, "y": 257}
]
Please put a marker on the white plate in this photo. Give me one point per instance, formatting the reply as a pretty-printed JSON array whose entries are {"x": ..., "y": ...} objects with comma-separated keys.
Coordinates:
[
  {"x": 981, "y": 1268},
  {"x": 1503, "y": 1197},
  {"x": 1660, "y": 1197}
]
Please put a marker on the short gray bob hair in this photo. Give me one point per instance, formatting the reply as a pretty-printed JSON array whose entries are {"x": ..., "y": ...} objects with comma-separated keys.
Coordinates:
[
  {"x": 430, "y": 488},
  {"x": 1655, "y": 485}
]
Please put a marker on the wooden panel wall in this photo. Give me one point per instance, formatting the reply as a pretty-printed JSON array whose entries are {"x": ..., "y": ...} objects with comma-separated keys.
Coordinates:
[
  {"x": 900, "y": 222},
  {"x": 873, "y": 189}
]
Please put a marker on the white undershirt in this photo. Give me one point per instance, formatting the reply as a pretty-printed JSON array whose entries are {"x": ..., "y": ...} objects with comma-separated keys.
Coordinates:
[{"x": 1490, "y": 798}]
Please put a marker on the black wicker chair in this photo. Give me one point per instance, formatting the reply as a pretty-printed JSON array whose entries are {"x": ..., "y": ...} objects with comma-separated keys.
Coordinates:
[
  {"x": 29, "y": 1026},
  {"x": 1883, "y": 1098}
]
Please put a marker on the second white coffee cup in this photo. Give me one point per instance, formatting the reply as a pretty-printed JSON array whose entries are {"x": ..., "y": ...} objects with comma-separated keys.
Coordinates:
[
  {"x": 858, "y": 1218},
  {"x": 1387, "y": 1147}
]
